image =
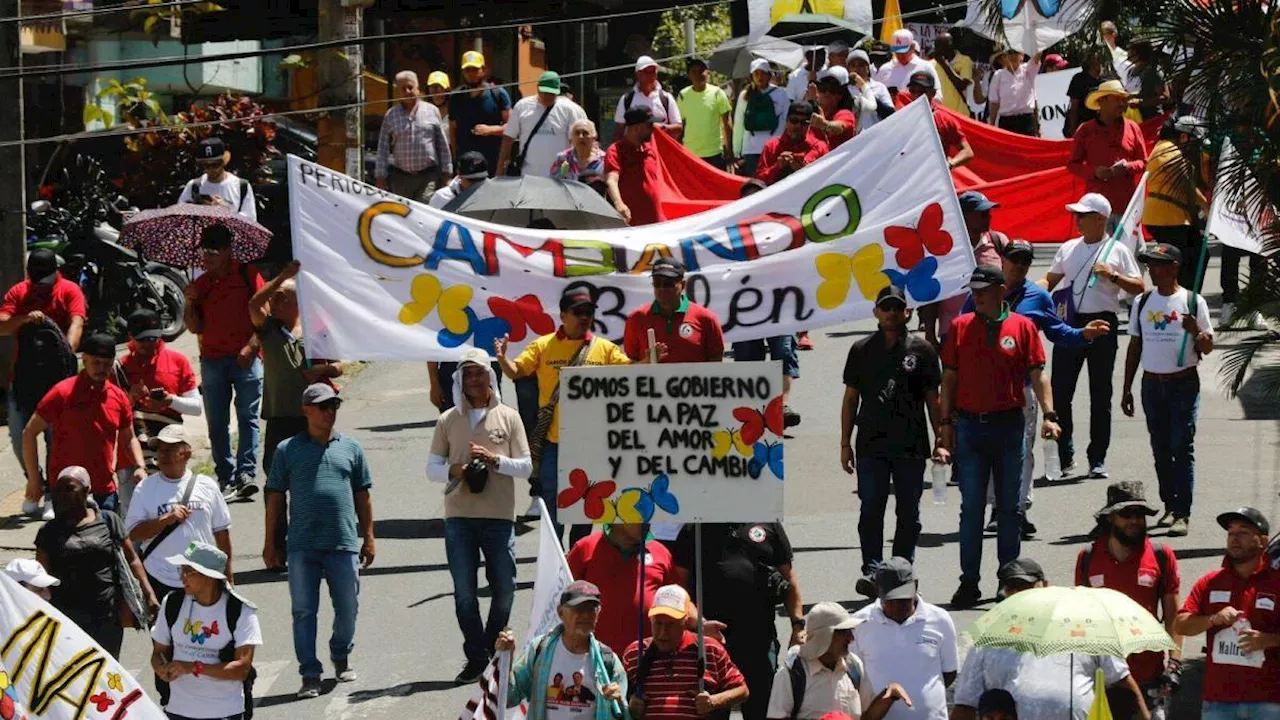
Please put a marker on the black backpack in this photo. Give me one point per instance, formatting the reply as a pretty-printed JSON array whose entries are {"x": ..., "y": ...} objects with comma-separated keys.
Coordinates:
[
  {"x": 235, "y": 604},
  {"x": 45, "y": 358},
  {"x": 666, "y": 102},
  {"x": 195, "y": 185}
]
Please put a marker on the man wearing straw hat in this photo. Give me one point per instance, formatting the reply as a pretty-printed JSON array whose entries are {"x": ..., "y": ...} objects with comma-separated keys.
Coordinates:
[{"x": 1109, "y": 153}]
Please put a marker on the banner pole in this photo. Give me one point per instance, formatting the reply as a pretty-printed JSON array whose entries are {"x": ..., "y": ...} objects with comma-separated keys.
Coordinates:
[
  {"x": 653, "y": 347},
  {"x": 1140, "y": 191},
  {"x": 697, "y": 589},
  {"x": 639, "y": 691},
  {"x": 1201, "y": 262},
  {"x": 504, "y": 674}
]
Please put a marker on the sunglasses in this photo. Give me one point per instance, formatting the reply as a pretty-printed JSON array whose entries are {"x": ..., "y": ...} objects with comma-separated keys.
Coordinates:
[
  {"x": 892, "y": 306},
  {"x": 583, "y": 312},
  {"x": 797, "y": 120},
  {"x": 328, "y": 405},
  {"x": 665, "y": 283}
]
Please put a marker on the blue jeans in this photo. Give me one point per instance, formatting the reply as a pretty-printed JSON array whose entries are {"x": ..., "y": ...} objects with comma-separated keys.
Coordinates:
[
  {"x": 875, "y": 475},
  {"x": 18, "y": 420},
  {"x": 340, "y": 569},
  {"x": 219, "y": 378},
  {"x": 989, "y": 450},
  {"x": 1067, "y": 364},
  {"x": 464, "y": 541},
  {"x": 1171, "y": 407},
  {"x": 781, "y": 347},
  {"x": 1240, "y": 711}
]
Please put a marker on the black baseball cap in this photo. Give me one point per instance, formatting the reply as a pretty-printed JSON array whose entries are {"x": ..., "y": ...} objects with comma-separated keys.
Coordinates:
[
  {"x": 42, "y": 266},
  {"x": 211, "y": 149},
  {"x": 579, "y": 592},
  {"x": 215, "y": 236},
  {"x": 890, "y": 294},
  {"x": 800, "y": 107},
  {"x": 1246, "y": 514},
  {"x": 895, "y": 579},
  {"x": 668, "y": 268},
  {"x": 473, "y": 166},
  {"x": 1022, "y": 569},
  {"x": 922, "y": 79},
  {"x": 1019, "y": 251},
  {"x": 984, "y": 276},
  {"x": 576, "y": 298},
  {"x": 638, "y": 115},
  {"x": 100, "y": 345},
  {"x": 144, "y": 324},
  {"x": 1161, "y": 253},
  {"x": 695, "y": 62}
]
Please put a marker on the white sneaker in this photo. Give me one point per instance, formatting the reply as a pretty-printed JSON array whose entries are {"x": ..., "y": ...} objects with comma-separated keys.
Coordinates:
[
  {"x": 47, "y": 514},
  {"x": 1228, "y": 312},
  {"x": 30, "y": 507},
  {"x": 533, "y": 510}
]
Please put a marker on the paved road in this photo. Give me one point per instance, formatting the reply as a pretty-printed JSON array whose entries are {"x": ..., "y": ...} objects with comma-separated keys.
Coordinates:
[{"x": 408, "y": 647}]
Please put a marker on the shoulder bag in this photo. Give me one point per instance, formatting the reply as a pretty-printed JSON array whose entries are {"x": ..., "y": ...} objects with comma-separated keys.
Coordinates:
[
  {"x": 133, "y": 610},
  {"x": 516, "y": 168},
  {"x": 169, "y": 529},
  {"x": 545, "y": 413}
]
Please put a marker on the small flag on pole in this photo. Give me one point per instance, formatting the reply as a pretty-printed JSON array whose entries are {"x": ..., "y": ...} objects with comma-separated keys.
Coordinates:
[{"x": 490, "y": 693}]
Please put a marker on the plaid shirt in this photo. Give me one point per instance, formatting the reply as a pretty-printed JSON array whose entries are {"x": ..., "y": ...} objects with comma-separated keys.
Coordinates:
[{"x": 413, "y": 140}]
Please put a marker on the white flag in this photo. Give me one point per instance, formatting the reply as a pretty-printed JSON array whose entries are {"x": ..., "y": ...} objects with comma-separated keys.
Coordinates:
[
  {"x": 1227, "y": 223},
  {"x": 491, "y": 693}
]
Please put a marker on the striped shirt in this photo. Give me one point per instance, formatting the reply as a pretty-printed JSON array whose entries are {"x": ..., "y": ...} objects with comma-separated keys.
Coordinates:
[
  {"x": 413, "y": 140},
  {"x": 322, "y": 482},
  {"x": 671, "y": 682}
]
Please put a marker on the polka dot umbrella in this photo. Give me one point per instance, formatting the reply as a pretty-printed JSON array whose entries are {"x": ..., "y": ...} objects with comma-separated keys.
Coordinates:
[{"x": 172, "y": 234}]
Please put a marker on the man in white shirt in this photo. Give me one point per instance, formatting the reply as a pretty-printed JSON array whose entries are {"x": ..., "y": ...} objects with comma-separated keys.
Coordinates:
[
  {"x": 204, "y": 639},
  {"x": 648, "y": 92},
  {"x": 540, "y": 124},
  {"x": 1053, "y": 686},
  {"x": 895, "y": 73},
  {"x": 1097, "y": 272},
  {"x": 829, "y": 678},
  {"x": 1169, "y": 331},
  {"x": 218, "y": 186},
  {"x": 174, "y": 508},
  {"x": 871, "y": 100},
  {"x": 903, "y": 639}
]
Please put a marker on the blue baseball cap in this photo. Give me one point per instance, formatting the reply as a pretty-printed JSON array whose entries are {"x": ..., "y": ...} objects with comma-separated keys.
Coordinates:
[{"x": 974, "y": 201}]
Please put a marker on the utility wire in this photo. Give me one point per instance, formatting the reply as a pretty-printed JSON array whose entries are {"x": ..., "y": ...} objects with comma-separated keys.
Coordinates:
[
  {"x": 73, "y": 69},
  {"x": 124, "y": 132},
  {"x": 95, "y": 11}
]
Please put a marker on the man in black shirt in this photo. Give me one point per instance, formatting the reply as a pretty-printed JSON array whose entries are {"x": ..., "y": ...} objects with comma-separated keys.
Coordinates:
[
  {"x": 746, "y": 572},
  {"x": 1083, "y": 83},
  {"x": 889, "y": 377}
]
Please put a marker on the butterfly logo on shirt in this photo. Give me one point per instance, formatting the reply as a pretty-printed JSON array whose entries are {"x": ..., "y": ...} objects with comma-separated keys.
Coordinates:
[
  {"x": 1160, "y": 320},
  {"x": 198, "y": 631},
  {"x": 840, "y": 272}
]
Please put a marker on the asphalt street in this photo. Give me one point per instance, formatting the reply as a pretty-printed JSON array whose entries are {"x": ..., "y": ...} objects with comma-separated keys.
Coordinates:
[{"x": 408, "y": 647}]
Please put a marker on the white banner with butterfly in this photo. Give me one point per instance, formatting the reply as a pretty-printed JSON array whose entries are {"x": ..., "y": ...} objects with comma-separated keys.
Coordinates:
[
  {"x": 50, "y": 668},
  {"x": 685, "y": 442},
  {"x": 385, "y": 278}
]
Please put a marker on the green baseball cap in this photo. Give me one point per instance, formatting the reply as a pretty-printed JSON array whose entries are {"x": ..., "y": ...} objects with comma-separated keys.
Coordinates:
[{"x": 549, "y": 82}]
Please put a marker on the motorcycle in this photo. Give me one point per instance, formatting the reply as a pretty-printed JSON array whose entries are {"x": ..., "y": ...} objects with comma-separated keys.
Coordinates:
[{"x": 83, "y": 231}]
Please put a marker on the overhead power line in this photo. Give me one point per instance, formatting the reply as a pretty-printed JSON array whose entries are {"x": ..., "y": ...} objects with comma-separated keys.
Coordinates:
[{"x": 47, "y": 17}]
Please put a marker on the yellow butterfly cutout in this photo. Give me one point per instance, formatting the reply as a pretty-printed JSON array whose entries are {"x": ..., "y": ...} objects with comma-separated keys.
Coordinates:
[
  {"x": 623, "y": 509},
  {"x": 726, "y": 440},
  {"x": 4, "y": 679},
  {"x": 839, "y": 271},
  {"x": 113, "y": 682},
  {"x": 449, "y": 303}
]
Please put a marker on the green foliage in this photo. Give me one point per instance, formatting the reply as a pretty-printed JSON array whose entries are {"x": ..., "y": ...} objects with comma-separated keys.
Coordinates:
[
  {"x": 711, "y": 27},
  {"x": 154, "y": 20},
  {"x": 132, "y": 99}
]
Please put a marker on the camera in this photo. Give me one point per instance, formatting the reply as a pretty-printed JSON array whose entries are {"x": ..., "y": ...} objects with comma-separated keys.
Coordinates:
[
  {"x": 778, "y": 585},
  {"x": 476, "y": 475}
]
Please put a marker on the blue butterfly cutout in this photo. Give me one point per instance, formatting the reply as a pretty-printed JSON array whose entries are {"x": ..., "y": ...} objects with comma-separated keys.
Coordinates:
[
  {"x": 765, "y": 454},
  {"x": 659, "y": 495},
  {"x": 919, "y": 282},
  {"x": 482, "y": 333}
]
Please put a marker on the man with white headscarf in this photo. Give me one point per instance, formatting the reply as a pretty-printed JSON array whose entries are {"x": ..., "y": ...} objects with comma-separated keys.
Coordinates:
[{"x": 479, "y": 449}]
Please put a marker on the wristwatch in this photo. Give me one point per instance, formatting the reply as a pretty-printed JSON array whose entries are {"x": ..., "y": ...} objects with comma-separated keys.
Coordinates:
[
  {"x": 1051, "y": 416},
  {"x": 797, "y": 623}
]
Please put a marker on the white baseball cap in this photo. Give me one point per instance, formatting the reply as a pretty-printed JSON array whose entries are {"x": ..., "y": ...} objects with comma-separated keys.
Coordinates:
[
  {"x": 1091, "y": 203},
  {"x": 761, "y": 64},
  {"x": 671, "y": 601},
  {"x": 903, "y": 40},
  {"x": 30, "y": 572},
  {"x": 645, "y": 62},
  {"x": 835, "y": 72},
  {"x": 170, "y": 435}
]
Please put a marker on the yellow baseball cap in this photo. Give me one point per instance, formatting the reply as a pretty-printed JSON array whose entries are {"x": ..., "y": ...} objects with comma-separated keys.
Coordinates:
[
  {"x": 472, "y": 59},
  {"x": 438, "y": 78}
]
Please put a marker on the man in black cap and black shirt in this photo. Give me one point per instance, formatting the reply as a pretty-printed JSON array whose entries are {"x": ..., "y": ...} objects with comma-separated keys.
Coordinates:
[
  {"x": 218, "y": 186},
  {"x": 631, "y": 171},
  {"x": 889, "y": 377},
  {"x": 746, "y": 573}
]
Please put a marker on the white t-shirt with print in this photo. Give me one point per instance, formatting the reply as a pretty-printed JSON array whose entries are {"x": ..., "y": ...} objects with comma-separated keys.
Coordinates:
[
  {"x": 553, "y": 136},
  {"x": 1073, "y": 262},
  {"x": 228, "y": 189},
  {"x": 896, "y": 75},
  {"x": 156, "y": 496},
  {"x": 572, "y": 689},
  {"x": 200, "y": 634},
  {"x": 1159, "y": 324}
]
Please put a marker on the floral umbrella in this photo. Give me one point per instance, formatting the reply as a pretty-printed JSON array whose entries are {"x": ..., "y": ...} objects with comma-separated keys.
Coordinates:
[{"x": 172, "y": 234}]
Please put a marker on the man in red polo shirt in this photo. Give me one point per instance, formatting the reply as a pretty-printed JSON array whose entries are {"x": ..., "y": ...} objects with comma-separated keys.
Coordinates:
[
  {"x": 986, "y": 360},
  {"x": 90, "y": 417},
  {"x": 662, "y": 676},
  {"x": 795, "y": 148},
  {"x": 1124, "y": 559},
  {"x": 684, "y": 331},
  {"x": 609, "y": 560},
  {"x": 1109, "y": 153},
  {"x": 1235, "y": 606},
  {"x": 954, "y": 144},
  {"x": 218, "y": 310},
  {"x": 631, "y": 170}
]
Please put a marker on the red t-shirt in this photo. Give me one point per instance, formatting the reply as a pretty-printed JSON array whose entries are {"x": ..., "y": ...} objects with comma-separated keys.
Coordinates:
[
  {"x": 60, "y": 302},
  {"x": 1097, "y": 145},
  {"x": 844, "y": 117},
  {"x": 224, "y": 309},
  {"x": 86, "y": 421},
  {"x": 991, "y": 360},
  {"x": 598, "y": 561},
  {"x": 167, "y": 369},
  {"x": 770, "y": 171},
  {"x": 1139, "y": 578},
  {"x": 671, "y": 681},
  {"x": 949, "y": 130},
  {"x": 692, "y": 334},
  {"x": 638, "y": 179},
  {"x": 1257, "y": 597}
]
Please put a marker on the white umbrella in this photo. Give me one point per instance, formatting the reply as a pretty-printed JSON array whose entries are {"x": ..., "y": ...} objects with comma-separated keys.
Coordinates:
[{"x": 733, "y": 56}]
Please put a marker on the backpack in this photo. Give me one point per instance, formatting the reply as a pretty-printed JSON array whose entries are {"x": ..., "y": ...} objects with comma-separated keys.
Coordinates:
[
  {"x": 45, "y": 358},
  {"x": 194, "y": 188},
  {"x": 760, "y": 115},
  {"x": 235, "y": 604},
  {"x": 1162, "y": 553},
  {"x": 663, "y": 94},
  {"x": 1135, "y": 317},
  {"x": 799, "y": 677}
]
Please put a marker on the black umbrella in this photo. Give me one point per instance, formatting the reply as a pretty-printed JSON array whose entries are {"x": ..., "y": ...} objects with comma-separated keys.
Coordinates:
[
  {"x": 814, "y": 29},
  {"x": 519, "y": 201}
]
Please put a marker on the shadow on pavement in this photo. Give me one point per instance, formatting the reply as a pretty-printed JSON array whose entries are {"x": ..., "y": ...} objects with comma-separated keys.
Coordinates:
[
  {"x": 397, "y": 427},
  {"x": 401, "y": 690},
  {"x": 326, "y": 686},
  {"x": 408, "y": 529}
]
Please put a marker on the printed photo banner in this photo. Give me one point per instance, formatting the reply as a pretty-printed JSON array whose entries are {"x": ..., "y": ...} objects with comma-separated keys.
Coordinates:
[
  {"x": 50, "y": 668},
  {"x": 687, "y": 442},
  {"x": 384, "y": 278}
]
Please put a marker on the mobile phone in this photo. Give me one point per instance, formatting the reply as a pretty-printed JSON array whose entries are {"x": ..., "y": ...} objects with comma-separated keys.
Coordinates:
[{"x": 159, "y": 394}]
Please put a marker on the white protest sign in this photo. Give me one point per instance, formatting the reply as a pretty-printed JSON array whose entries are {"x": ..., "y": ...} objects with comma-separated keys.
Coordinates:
[
  {"x": 688, "y": 442},
  {"x": 51, "y": 669},
  {"x": 1052, "y": 100},
  {"x": 1226, "y": 648},
  {"x": 552, "y": 578},
  {"x": 384, "y": 278},
  {"x": 1227, "y": 221}
]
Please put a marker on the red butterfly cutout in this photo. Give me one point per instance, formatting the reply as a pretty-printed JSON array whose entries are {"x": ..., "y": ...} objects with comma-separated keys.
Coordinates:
[
  {"x": 755, "y": 422},
  {"x": 594, "y": 494},
  {"x": 525, "y": 311},
  {"x": 211, "y": 630},
  {"x": 102, "y": 702},
  {"x": 912, "y": 242}
]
